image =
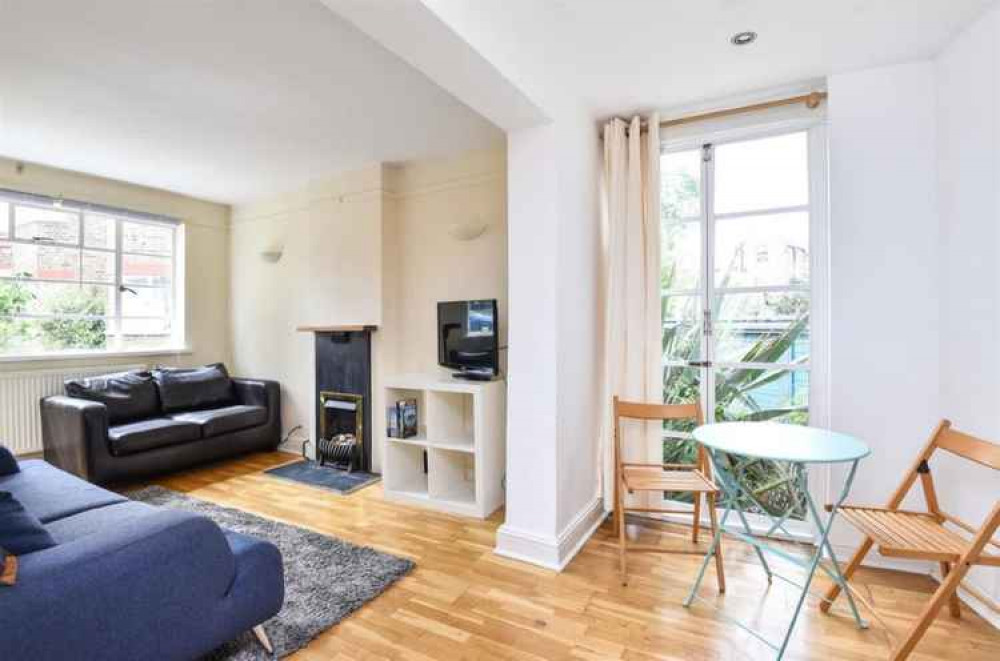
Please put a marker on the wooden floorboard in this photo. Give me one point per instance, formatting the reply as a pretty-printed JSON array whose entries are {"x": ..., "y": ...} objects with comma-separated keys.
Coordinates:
[{"x": 464, "y": 602}]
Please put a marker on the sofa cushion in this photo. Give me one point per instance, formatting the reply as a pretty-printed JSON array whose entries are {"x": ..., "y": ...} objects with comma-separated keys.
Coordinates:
[
  {"x": 214, "y": 422},
  {"x": 50, "y": 494},
  {"x": 127, "y": 395},
  {"x": 143, "y": 435},
  {"x": 97, "y": 520},
  {"x": 8, "y": 463},
  {"x": 20, "y": 531},
  {"x": 183, "y": 389}
]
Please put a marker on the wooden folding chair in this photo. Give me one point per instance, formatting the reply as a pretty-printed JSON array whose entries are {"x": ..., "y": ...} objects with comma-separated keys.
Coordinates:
[
  {"x": 923, "y": 535},
  {"x": 695, "y": 479}
]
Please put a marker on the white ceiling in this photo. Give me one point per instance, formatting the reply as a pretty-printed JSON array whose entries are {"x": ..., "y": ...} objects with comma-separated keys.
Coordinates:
[
  {"x": 234, "y": 100},
  {"x": 228, "y": 100},
  {"x": 625, "y": 55}
]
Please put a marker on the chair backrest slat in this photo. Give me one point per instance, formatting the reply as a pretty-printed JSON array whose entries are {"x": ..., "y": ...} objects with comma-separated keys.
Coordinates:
[
  {"x": 656, "y": 412},
  {"x": 969, "y": 447},
  {"x": 642, "y": 411}
]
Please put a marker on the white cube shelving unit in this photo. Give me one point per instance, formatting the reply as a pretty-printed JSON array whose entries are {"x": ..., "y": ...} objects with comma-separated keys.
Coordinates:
[{"x": 457, "y": 460}]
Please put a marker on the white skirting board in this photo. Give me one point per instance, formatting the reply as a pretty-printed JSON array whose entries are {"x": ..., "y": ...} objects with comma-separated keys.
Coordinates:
[{"x": 555, "y": 552}]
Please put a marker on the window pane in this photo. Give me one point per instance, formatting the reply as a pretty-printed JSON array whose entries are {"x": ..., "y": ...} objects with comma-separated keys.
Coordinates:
[
  {"x": 15, "y": 298},
  {"x": 155, "y": 239},
  {"x": 39, "y": 261},
  {"x": 144, "y": 270},
  {"x": 63, "y": 334},
  {"x": 780, "y": 395},
  {"x": 7, "y": 269},
  {"x": 15, "y": 334},
  {"x": 762, "y": 174},
  {"x": 764, "y": 327},
  {"x": 144, "y": 327},
  {"x": 146, "y": 302},
  {"x": 54, "y": 297},
  {"x": 777, "y": 395},
  {"x": 680, "y": 255},
  {"x": 99, "y": 231},
  {"x": 681, "y": 385},
  {"x": 98, "y": 266},
  {"x": 35, "y": 336},
  {"x": 762, "y": 251},
  {"x": 136, "y": 342},
  {"x": 680, "y": 180},
  {"x": 681, "y": 327},
  {"x": 69, "y": 299},
  {"x": 51, "y": 224}
]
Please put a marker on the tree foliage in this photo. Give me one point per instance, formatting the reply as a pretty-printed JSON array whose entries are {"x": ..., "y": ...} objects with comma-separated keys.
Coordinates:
[
  {"x": 75, "y": 330},
  {"x": 14, "y": 300},
  {"x": 72, "y": 330},
  {"x": 736, "y": 400}
]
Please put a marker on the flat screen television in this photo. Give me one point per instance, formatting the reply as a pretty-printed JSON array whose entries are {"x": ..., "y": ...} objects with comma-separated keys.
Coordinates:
[{"x": 468, "y": 338}]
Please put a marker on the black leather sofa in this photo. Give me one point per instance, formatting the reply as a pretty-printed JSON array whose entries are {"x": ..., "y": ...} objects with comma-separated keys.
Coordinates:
[{"x": 135, "y": 424}]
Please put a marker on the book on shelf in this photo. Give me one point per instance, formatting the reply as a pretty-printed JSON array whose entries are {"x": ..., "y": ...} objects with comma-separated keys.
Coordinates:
[
  {"x": 402, "y": 419},
  {"x": 392, "y": 421}
]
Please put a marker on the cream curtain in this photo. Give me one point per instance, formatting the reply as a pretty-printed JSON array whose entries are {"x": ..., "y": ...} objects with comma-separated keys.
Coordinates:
[{"x": 631, "y": 284}]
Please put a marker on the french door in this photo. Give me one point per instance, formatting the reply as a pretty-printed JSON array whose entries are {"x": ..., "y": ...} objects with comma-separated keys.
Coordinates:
[{"x": 742, "y": 220}]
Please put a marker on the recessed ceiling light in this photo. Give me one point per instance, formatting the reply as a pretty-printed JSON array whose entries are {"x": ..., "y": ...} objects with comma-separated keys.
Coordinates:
[{"x": 743, "y": 38}]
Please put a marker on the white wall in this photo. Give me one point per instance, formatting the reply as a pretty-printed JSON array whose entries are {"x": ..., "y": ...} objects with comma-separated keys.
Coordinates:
[
  {"x": 968, "y": 105},
  {"x": 531, "y": 371},
  {"x": 429, "y": 265},
  {"x": 553, "y": 413},
  {"x": 206, "y": 261},
  {"x": 424, "y": 264},
  {"x": 554, "y": 321},
  {"x": 915, "y": 196},
  {"x": 580, "y": 330},
  {"x": 885, "y": 269},
  {"x": 330, "y": 272},
  {"x": 370, "y": 247}
]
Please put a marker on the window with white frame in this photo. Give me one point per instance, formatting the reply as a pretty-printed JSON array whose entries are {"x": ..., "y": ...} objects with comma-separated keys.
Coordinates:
[
  {"x": 77, "y": 277},
  {"x": 743, "y": 236}
]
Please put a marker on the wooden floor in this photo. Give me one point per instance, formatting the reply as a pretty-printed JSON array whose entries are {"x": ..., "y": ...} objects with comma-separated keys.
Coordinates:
[{"x": 464, "y": 602}]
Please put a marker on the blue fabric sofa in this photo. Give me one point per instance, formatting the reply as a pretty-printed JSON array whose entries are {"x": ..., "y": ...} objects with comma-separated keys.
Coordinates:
[{"x": 127, "y": 580}]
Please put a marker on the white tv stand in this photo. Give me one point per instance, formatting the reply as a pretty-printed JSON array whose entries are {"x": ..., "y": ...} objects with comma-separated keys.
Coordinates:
[{"x": 461, "y": 432}]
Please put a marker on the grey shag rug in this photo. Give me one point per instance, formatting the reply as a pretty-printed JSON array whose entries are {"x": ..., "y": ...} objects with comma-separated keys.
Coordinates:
[{"x": 326, "y": 579}]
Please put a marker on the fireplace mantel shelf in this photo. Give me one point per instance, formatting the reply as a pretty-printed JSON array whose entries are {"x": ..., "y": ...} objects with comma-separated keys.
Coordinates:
[{"x": 342, "y": 328}]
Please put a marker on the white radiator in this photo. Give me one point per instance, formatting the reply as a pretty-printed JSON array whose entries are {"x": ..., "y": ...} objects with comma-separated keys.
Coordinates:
[{"x": 20, "y": 392}]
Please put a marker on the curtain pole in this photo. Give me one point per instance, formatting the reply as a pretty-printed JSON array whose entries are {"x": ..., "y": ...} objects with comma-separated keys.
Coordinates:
[{"x": 811, "y": 100}]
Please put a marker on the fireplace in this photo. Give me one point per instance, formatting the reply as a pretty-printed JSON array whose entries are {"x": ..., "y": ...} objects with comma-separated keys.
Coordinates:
[
  {"x": 341, "y": 429},
  {"x": 344, "y": 394}
]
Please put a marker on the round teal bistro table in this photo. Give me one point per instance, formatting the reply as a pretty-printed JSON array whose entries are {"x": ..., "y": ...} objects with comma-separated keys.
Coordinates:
[{"x": 731, "y": 447}]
